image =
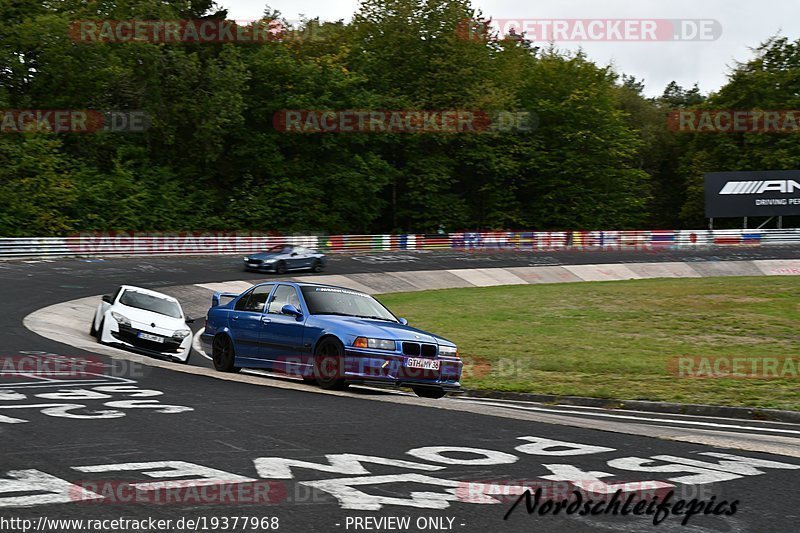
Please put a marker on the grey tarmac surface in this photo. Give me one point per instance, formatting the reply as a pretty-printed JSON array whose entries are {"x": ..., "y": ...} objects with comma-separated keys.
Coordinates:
[{"x": 130, "y": 416}]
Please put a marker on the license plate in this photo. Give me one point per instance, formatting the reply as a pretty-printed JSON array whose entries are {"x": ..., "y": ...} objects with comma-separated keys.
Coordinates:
[
  {"x": 252, "y": 264},
  {"x": 149, "y": 337},
  {"x": 425, "y": 364}
]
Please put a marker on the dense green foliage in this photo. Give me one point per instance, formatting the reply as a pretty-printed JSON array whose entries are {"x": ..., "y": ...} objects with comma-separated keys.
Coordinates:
[{"x": 600, "y": 156}]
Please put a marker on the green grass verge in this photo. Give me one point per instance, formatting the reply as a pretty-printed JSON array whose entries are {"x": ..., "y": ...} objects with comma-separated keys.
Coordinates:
[{"x": 615, "y": 339}]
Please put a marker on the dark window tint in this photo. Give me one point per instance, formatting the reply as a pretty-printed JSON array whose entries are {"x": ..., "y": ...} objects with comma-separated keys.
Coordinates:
[
  {"x": 242, "y": 302},
  {"x": 254, "y": 300}
]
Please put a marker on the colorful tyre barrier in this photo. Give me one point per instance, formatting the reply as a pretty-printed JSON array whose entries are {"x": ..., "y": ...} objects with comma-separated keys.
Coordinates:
[{"x": 221, "y": 243}]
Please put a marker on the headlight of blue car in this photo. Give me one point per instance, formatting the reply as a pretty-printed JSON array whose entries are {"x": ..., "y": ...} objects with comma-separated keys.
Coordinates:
[
  {"x": 376, "y": 344},
  {"x": 448, "y": 351}
]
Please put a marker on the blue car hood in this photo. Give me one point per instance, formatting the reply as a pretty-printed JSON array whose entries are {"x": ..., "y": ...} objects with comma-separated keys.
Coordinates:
[
  {"x": 379, "y": 329},
  {"x": 264, "y": 255}
]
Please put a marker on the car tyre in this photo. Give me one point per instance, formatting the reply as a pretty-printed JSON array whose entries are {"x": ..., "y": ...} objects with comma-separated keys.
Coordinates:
[
  {"x": 329, "y": 365},
  {"x": 316, "y": 266},
  {"x": 93, "y": 330},
  {"x": 99, "y": 331},
  {"x": 223, "y": 355},
  {"x": 427, "y": 392},
  {"x": 280, "y": 267}
]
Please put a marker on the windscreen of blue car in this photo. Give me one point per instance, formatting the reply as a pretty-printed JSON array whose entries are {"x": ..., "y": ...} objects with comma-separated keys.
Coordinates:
[
  {"x": 335, "y": 301},
  {"x": 150, "y": 303},
  {"x": 278, "y": 249}
]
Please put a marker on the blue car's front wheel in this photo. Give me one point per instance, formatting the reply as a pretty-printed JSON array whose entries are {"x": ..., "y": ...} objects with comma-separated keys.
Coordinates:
[
  {"x": 329, "y": 364},
  {"x": 425, "y": 392}
]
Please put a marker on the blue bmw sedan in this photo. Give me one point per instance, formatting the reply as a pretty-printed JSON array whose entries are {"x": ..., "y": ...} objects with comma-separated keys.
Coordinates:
[{"x": 333, "y": 336}]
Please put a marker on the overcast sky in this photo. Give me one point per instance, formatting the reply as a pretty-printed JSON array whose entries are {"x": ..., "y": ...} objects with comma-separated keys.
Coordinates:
[{"x": 744, "y": 24}]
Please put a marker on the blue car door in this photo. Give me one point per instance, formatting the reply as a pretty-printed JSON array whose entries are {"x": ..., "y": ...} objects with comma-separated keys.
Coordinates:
[
  {"x": 294, "y": 259},
  {"x": 302, "y": 259},
  {"x": 245, "y": 321},
  {"x": 281, "y": 339}
]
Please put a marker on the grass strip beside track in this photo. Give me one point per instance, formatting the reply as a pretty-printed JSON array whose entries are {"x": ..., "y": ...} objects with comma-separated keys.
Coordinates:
[{"x": 616, "y": 339}]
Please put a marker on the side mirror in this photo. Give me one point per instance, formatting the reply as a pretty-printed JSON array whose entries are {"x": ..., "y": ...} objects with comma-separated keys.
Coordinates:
[
  {"x": 294, "y": 254},
  {"x": 108, "y": 298},
  {"x": 403, "y": 321},
  {"x": 289, "y": 309},
  {"x": 190, "y": 320}
]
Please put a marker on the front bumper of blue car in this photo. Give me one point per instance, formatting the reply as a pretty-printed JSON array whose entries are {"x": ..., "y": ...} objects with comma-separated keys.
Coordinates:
[
  {"x": 260, "y": 266},
  {"x": 372, "y": 366}
]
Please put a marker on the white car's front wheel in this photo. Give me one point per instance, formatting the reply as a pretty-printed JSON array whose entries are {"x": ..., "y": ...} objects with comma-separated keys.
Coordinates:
[{"x": 99, "y": 331}]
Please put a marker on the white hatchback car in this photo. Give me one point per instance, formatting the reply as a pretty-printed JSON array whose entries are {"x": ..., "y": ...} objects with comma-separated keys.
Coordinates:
[{"x": 143, "y": 321}]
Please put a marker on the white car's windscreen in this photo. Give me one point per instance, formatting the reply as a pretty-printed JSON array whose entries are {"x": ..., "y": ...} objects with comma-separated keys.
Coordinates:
[{"x": 152, "y": 303}]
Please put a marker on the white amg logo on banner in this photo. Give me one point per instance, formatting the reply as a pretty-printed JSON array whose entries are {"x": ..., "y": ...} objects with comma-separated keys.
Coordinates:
[{"x": 758, "y": 187}]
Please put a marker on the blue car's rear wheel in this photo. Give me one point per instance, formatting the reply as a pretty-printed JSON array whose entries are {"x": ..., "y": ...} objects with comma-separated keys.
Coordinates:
[
  {"x": 329, "y": 364},
  {"x": 222, "y": 354}
]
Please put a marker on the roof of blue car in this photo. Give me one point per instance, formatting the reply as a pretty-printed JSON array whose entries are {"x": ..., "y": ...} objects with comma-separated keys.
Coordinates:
[{"x": 312, "y": 284}]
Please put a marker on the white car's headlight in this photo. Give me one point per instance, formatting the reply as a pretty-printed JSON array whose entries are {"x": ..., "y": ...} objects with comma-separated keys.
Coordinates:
[
  {"x": 181, "y": 333},
  {"x": 449, "y": 351},
  {"x": 269, "y": 260},
  {"x": 376, "y": 344},
  {"x": 121, "y": 319}
]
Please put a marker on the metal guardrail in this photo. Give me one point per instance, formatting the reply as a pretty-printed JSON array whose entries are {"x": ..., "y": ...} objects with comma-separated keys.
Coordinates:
[{"x": 127, "y": 244}]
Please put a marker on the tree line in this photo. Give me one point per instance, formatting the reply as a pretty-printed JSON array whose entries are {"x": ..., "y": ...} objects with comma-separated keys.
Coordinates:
[{"x": 599, "y": 157}]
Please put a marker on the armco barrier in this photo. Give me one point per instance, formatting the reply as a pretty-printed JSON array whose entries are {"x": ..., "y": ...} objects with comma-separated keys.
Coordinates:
[{"x": 132, "y": 244}]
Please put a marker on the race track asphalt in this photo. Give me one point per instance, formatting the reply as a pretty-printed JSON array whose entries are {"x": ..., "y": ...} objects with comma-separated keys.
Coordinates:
[{"x": 125, "y": 423}]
